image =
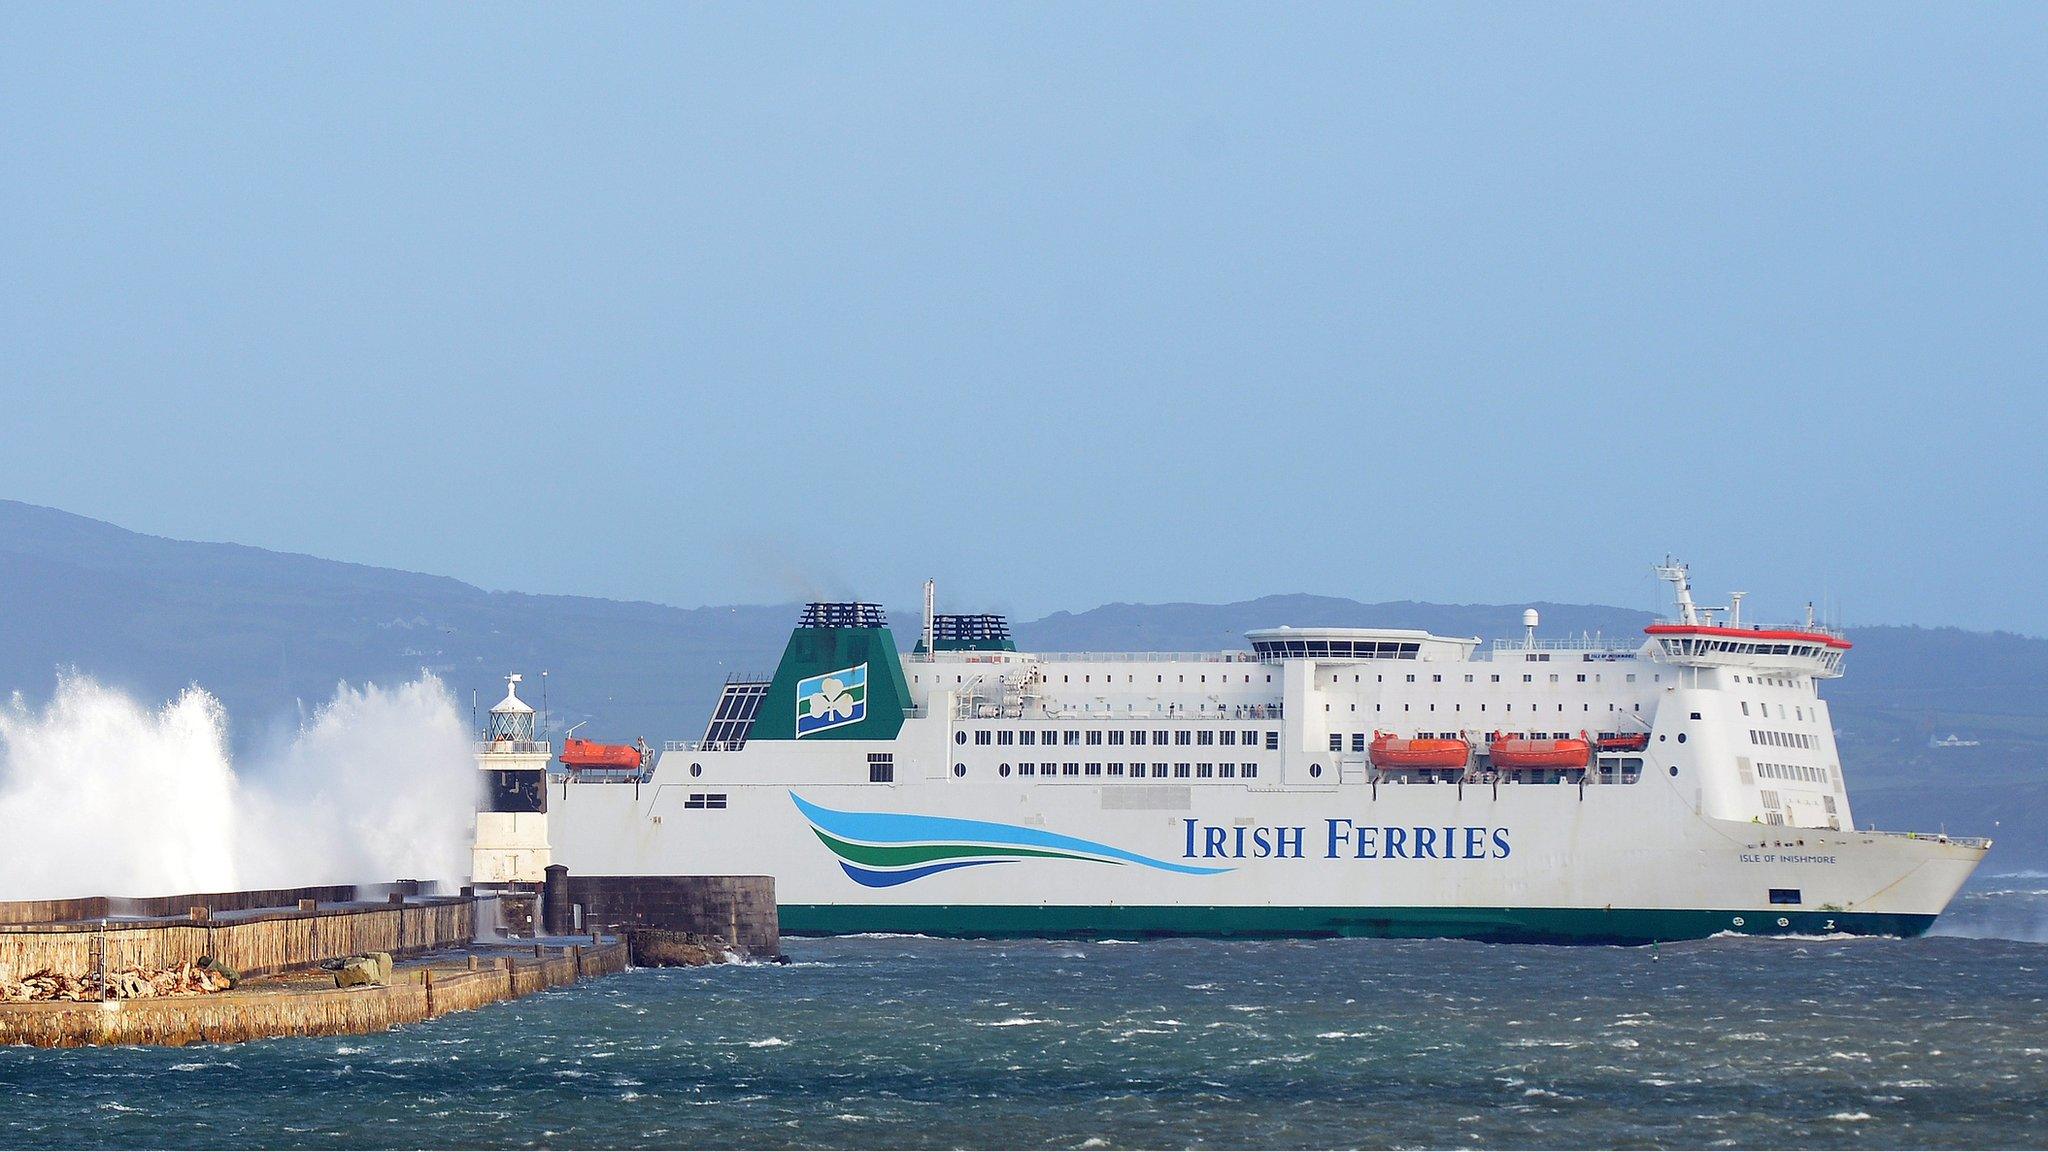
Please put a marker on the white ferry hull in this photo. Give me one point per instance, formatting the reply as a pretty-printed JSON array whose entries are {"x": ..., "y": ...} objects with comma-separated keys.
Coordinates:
[{"x": 1526, "y": 863}]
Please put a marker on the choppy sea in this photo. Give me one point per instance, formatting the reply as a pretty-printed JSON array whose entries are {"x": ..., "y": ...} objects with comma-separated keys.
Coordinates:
[{"x": 886, "y": 1042}]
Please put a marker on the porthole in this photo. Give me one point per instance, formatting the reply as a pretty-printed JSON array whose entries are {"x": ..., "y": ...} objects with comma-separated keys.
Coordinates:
[
  {"x": 1002, "y": 770},
  {"x": 1681, "y": 737},
  {"x": 1660, "y": 738},
  {"x": 1738, "y": 921},
  {"x": 960, "y": 737},
  {"x": 1674, "y": 769},
  {"x": 1315, "y": 770},
  {"x": 1784, "y": 923},
  {"x": 959, "y": 769},
  {"x": 696, "y": 769}
]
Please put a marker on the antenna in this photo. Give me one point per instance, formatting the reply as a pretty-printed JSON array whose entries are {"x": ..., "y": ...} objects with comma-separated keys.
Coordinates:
[
  {"x": 1681, "y": 582},
  {"x": 472, "y": 713},
  {"x": 1735, "y": 608},
  {"x": 543, "y": 700},
  {"x": 930, "y": 623}
]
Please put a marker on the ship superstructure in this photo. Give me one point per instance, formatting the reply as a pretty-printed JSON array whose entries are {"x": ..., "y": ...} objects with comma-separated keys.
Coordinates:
[{"x": 1343, "y": 781}]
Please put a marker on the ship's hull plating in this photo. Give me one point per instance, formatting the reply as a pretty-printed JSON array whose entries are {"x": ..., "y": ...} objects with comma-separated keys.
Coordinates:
[{"x": 1613, "y": 864}]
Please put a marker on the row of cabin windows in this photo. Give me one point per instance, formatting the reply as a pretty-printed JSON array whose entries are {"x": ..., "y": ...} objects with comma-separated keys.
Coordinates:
[
  {"x": 1495, "y": 678},
  {"x": 1776, "y": 681},
  {"x": 1764, "y": 710},
  {"x": 1776, "y": 739},
  {"x": 1180, "y": 771},
  {"x": 1459, "y": 707},
  {"x": 1806, "y": 772},
  {"x": 1118, "y": 737},
  {"x": 1089, "y": 678}
]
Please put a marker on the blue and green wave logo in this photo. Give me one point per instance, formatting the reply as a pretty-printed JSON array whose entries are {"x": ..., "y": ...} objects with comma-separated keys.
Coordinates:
[{"x": 884, "y": 849}]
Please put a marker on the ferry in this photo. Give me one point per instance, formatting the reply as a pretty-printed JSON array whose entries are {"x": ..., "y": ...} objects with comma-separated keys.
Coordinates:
[{"x": 1321, "y": 782}]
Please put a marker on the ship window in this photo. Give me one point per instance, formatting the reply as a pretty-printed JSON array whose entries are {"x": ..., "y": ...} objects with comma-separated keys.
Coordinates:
[
  {"x": 1695, "y": 715},
  {"x": 1411, "y": 678},
  {"x": 1159, "y": 771},
  {"x": 1784, "y": 895},
  {"x": 959, "y": 769},
  {"x": 1094, "y": 769},
  {"x": 1336, "y": 741},
  {"x": 1205, "y": 736},
  {"x": 1180, "y": 770},
  {"x": 1116, "y": 769},
  {"x": 960, "y": 737},
  {"x": 1528, "y": 679},
  {"x": 1070, "y": 769},
  {"x": 1116, "y": 736},
  {"x": 1002, "y": 769},
  {"x": 1073, "y": 736},
  {"x": 1272, "y": 741},
  {"x": 1159, "y": 736},
  {"x": 1358, "y": 741},
  {"x": 1582, "y": 677},
  {"x": 1249, "y": 771},
  {"x": 881, "y": 767},
  {"x": 1005, "y": 736},
  {"x": 1229, "y": 736},
  {"x": 1315, "y": 770},
  {"x": 1205, "y": 770},
  {"x": 1183, "y": 737},
  {"x": 1095, "y": 735},
  {"x": 1027, "y": 736},
  {"x": 1681, "y": 737},
  {"x": 1138, "y": 737},
  {"x": 1027, "y": 769}
]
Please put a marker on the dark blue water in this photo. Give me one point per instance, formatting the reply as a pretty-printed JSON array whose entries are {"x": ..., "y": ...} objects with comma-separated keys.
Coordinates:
[{"x": 905, "y": 1042}]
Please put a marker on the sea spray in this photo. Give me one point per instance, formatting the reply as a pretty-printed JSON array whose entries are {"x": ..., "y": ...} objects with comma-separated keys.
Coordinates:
[{"x": 102, "y": 794}]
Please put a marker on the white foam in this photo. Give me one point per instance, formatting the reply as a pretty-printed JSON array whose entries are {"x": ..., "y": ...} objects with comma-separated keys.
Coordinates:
[{"x": 102, "y": 794}]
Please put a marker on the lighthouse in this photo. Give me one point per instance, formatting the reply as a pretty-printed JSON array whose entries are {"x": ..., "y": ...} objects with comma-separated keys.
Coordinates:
[{"x": 511, "y": 846}]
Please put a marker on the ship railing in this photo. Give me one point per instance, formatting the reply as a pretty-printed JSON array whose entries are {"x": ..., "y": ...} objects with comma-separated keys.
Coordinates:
[
  {"x": 517, "y": 747},
  {"x": 702, "y": 745},
  {"x": 1569, "y": 644},
  {"x": 1938, "y": 837},
  {"x": 1144, "y": 657}
]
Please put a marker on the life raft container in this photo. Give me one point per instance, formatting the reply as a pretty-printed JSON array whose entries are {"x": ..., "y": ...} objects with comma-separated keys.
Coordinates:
[
  {"x": 1390, "y": 751},
  {"x": 590, "y": 754},
  {"x": 1515, "y": 754}
]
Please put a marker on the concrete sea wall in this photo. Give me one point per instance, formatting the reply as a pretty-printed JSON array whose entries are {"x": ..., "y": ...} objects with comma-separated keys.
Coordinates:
[
  {"x": 232, "y": 1017},
  {"x": 254, "y": 945}
]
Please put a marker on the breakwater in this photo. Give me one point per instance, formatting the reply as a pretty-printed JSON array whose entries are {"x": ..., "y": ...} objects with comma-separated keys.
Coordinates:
[
  {"x": 304, "y": 1008},
  {"x": 281, "y": 945}
]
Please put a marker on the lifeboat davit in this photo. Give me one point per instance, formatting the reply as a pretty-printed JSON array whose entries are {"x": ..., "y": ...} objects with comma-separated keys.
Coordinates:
[
  {"x": 1389, "y": 751},
  {"x": 1623, "y": 741},
  {"x": 1515, "y": 754},
  {"x": 590, "y": 754}
]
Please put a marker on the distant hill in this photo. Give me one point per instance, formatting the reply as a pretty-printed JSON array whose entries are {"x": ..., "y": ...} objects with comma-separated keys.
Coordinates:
[{"x": 270, "y": 632}]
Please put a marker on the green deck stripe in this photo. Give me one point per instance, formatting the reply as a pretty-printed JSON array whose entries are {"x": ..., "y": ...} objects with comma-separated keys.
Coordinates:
[{"x": 900, "y": 855}]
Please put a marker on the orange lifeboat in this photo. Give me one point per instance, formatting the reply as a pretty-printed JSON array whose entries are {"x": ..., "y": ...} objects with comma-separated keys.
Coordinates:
[
  {"x": 590, "y": 754},
  {"x": 1623, "y": 741},
  {"x": 1515, "y": 754},
  {"x": 1390, "y": 751}
]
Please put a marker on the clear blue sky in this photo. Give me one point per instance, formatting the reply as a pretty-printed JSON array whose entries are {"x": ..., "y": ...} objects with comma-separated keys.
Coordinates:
[{"x": 1060, "y": 304}]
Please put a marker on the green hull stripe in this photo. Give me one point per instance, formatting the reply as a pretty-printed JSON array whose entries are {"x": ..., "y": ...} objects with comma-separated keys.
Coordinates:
[
  {"x": 897, "y": 856},
  {"x": 1505, "y": 925}
]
